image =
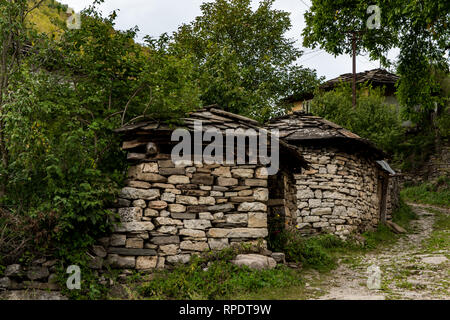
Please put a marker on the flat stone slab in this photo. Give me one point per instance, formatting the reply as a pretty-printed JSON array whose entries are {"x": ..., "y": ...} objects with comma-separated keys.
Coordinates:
[
  {"x": 132, "y": 252},
  {"x": 255, "y": 261},
  {"x": 31, "y": 295},
  {"x": 434, "y": 259}
]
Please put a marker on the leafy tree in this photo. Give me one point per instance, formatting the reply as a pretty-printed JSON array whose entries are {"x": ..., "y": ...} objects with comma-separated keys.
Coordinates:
[
  {"x": 244, "y": 61},
  {"x": 67, "y": 95},
  {"x": 419, "y": 28},
  {"x": 15, "y": 34}
]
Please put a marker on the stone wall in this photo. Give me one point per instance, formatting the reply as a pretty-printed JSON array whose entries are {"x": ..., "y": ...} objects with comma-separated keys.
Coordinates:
[
  {"x": 39, "y": 275},
  {"x": 393, "y": 196},
  {"x": 168, "y": 213},
  {"x": 438, "y": 165},
  {"x": 337, "y": 194}
]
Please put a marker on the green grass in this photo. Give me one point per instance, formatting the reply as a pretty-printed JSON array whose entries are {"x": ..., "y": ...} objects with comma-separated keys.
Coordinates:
[
  {"x": 440, "y": 236},
  {"x": 403, "y": 215},
  {"x": 434, "y": 193},
  {"x": 383, "y": 235},
  {"x": 214, "y": 280},
  {"x": 317, "y": 252},
  {"x": 321, "y": 252},
  {"x": 213, "y": 277}
]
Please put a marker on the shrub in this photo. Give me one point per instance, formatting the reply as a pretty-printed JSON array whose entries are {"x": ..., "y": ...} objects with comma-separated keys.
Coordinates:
[
  {"x": 372, "y": 118},
  {"x": 23, "y": 236},
  {"x": 383, "y": 235},
  {"x": 403, "y": 214}
]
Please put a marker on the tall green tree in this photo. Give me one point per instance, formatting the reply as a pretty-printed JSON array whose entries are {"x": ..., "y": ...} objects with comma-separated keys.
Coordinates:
[
  {"x": 15, "y": 36},
  {"x": 64, "y": 101},
  {"x": 420, "y": 29},
  {"x": 245, "y": 62},
  {"x": 372, "y": 118}
]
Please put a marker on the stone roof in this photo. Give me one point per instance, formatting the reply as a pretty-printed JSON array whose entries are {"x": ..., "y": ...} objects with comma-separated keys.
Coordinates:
[
  {"x": 300, "y": 127},
  {"x": 375, "y": 76},
  {"x": 210, "y": 116}
]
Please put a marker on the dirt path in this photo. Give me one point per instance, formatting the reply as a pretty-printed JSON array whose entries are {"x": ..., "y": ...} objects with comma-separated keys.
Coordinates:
[{"x": 409, "y": 269}]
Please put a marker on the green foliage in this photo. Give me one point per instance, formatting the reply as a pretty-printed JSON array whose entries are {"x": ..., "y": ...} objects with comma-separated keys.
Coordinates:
[
  {"x": 434, "y": 193},
  {"x": 314, "y": 252},
  {"x": 61, "y": 157},
  {"x": 419, "y": 30},
  {"x": 218, "y": 279},
  {"x": 329, "y": 25},
  {"x": 403, "y": 214},
  {"x": 90, "y": 286},
  {"x": 372, "y": 118},
  {"x": 383, "y": 235},
  {"x": 320, "y": 252},
  {"x": 48, "y": 18},
  {"x": 439, "y": 239},
  {"x": 244, "y": 61},
  {"x": 379, "y": 122}
]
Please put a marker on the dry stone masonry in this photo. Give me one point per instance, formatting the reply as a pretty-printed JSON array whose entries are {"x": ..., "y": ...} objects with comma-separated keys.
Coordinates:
[
  {"x": 169, "y": 212},
  {"x": 344, "y": 190},
  {"x": 338, "y": 194}
]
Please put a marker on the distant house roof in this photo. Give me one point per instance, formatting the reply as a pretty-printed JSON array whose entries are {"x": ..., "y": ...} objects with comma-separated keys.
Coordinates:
[
  {"x": 300, "y": 127},
  {"x": 377, "y": 77}
]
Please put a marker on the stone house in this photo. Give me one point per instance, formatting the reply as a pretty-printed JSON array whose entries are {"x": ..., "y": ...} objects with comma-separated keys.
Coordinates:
[
  {"x": 329, "y": 181},
  {"x": 344, "y": 190},
  {"x": 376, "y": 78},
  {"x": 170, "y": 210}
]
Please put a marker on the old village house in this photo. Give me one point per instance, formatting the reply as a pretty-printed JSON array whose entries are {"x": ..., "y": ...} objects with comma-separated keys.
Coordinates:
[{"x": 329, "y": 181}]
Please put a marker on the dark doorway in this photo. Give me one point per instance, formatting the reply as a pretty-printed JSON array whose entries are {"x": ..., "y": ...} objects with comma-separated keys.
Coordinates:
[
  {"x": 282, "y": 205},
  {"x": 383, "y": 184}
]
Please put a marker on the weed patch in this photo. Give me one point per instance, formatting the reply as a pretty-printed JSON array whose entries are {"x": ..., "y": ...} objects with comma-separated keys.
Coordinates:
[
  {"x": 434, "y": 193},
  {"x": 215, "y": 279}
]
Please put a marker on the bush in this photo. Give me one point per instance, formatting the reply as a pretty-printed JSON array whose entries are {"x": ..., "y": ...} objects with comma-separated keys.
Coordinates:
[
  {"x": 383, "y": 235},
  {"x": 22, "y": 237},
  {"x": 403, "y": 214},
  {"x": 372, "y": 118}
]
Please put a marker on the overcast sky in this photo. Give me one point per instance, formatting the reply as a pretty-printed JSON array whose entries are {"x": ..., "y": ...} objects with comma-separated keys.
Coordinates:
[{"x": 154, "y": 17}]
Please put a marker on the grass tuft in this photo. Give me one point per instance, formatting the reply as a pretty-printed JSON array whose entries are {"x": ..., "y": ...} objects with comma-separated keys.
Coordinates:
[{"x": 216, "y": 279}]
